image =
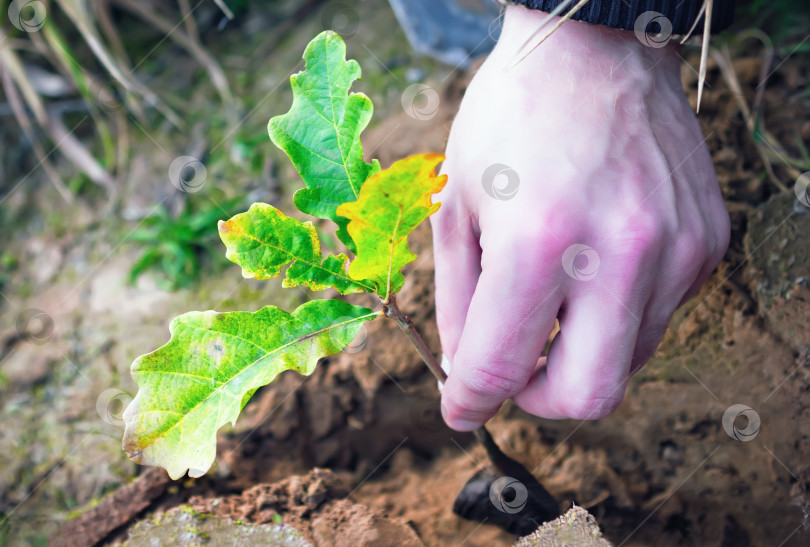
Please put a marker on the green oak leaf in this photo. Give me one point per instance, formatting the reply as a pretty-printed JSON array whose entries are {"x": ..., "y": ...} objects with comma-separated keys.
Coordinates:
[
  {"x": 203, "y": 376},
  {"x": 321, "y": 131},
  {"x": 391, "y": 204},
  {"x": 264, "y": 240}
]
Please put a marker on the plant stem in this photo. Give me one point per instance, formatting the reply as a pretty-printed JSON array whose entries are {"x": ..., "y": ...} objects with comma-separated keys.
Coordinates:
[
  {"x": 501, "y": 461},
  {"x": 391, "y": 310}
]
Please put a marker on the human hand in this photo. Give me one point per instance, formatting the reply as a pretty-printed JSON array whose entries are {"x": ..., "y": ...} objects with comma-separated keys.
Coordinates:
[{"x": 617, "y": 220}]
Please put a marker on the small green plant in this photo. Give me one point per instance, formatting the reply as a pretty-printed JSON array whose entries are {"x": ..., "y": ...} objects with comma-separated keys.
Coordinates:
[
  {"x": 214, "y": 362},
  {"x": 203, "y": 377},
  {"x": 176, "y": 247}
]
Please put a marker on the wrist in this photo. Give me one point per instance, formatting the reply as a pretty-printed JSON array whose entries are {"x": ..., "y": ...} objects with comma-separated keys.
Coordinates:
[{"x": 577, "y": 44}]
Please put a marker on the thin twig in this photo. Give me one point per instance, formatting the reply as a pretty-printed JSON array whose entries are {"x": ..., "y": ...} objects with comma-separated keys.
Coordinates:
[
  {"x": 695, "y": 24},
  {"x": 704, "y": 50},
  {"x": 404, "y": 322}
]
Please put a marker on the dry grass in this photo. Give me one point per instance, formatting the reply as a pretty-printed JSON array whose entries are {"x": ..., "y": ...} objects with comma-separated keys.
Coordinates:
[{"x": 38, "y": 42}]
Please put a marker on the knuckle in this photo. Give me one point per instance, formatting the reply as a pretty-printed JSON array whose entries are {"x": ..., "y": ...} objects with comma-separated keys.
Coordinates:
[
  {"x": 497, "y": 381},
  {"x": 560, "y": 222},
  {"x": 592, "y": 399},
  {"x": 691, "y": 251},
  {"x": 640, "y": 234}
]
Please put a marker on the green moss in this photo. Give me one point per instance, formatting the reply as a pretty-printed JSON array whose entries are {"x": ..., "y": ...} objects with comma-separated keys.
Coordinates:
[{"x": 76, "y": 513}]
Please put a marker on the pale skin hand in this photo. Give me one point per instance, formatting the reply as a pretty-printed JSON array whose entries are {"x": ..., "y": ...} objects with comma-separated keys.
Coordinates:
[{"x": 609, "y": 155}]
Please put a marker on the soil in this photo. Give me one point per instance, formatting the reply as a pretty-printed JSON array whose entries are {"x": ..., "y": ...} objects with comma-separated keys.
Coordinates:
[
  {"x": 357, "y": 453},
  {"x": 313, "y": 506}
]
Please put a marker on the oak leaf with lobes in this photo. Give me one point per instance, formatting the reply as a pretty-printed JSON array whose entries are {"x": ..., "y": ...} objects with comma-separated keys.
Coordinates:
[
  {"x": 202, "y": 378},
  {"x": 264, "y": 240},
  {"x": 321, "y": 131},
  {"x": 390, "y": 205}
]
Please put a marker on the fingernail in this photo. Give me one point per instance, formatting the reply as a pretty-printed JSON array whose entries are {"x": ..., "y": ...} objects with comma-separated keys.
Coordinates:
[
  {"x": 458, "y": 425},
  {"x": 464, "y": 425}
]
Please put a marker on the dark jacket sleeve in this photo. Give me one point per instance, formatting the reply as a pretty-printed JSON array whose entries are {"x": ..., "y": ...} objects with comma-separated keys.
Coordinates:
[{"x": 623, "y": 14}]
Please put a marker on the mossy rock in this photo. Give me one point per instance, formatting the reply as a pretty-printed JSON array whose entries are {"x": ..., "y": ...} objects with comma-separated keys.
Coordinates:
[
  {"x": 778, "y": 269},
  {"x": 575, "y": 528},
  {"x": 183, "y": 526}
]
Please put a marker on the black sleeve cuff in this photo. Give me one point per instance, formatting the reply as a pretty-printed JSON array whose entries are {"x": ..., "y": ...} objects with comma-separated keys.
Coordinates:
[{"x": 622, "y": 14}]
